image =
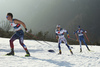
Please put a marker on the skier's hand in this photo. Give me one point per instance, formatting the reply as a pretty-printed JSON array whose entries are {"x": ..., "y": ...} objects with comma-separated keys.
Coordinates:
[
  {"x": 26, "y": 30},
  {"x": 85, "y": 32},
  {"x": 73, "y": 32},
  {"x": 68, "y": 36},
  {"x": 76, "y": 40},
  {"x": 57, "y": 37}
]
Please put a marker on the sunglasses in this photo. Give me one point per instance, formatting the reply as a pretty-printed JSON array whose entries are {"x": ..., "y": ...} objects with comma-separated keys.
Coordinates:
[
  {"x": 6, "y": 16},
  {"x": 58, "y": 27}
]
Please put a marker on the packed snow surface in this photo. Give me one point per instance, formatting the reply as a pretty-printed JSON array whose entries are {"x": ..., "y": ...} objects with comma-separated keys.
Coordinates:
[{"x": 40, "y": 57}]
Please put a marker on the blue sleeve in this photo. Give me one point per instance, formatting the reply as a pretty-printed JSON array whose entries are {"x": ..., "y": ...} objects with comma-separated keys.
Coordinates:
[
  {"x": 67, "y": 32},
  {"x": 75, "y": 32},
  {"x": 83, "y": 30},
  {"x": 56, "y": 34}
]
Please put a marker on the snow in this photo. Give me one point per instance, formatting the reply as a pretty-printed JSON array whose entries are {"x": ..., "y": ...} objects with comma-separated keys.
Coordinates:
[{"x": 40, "y": 57}]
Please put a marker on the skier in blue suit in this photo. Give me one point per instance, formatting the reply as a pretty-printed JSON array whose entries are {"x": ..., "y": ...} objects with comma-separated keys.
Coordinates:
[{"x": 80, "y": 33}]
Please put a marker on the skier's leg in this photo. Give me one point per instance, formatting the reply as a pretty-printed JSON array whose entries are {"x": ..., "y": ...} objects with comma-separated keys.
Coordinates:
[
  {"x": 80, "y": 42},
  {"x": 21, "y": 38},
  {"x": 86, "y": 44},
  {"x": 65, "y": 41},
  {"x": 80, "y": 45},
  {"x": 14, "y": 37},
  {"x": 69, "y": 48},
  {"x": 24, "y": 46},
  {"x": 59, "y": 42}
]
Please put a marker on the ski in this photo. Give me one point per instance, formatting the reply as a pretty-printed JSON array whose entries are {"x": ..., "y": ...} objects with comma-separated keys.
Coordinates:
[{"x": 16, "y": 56}]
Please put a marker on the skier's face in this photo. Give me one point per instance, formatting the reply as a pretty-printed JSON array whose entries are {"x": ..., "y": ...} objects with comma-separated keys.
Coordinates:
[
  {"x": 8, "y": 17},
  {"x": 79, "y": 28},
  {"x": 58, "y": 28}
]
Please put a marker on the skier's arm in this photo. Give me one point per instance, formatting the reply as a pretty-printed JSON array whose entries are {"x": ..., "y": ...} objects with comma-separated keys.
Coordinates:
[
  {"x": 66, "y": 33},
  {"x": 20, "y": 22},
  {"x": 84, "y": 31},
  {"x": 56, "y": 34},
  {"x": 56, "y": 37},
  {"x": 75, "y": 32}
]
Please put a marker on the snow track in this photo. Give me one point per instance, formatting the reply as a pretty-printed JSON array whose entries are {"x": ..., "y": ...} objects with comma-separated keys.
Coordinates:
[{"x": 40, "y": 57}]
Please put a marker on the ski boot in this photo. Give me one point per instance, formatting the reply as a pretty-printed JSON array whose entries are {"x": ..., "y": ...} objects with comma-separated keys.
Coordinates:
[
  {"x": 88, "y": 48},
  {"x": 80, "y": 49},
  {"x": 71, "y": 52},
  {"x": 27, "y": 54},
  {"x": 11, "y": 53},
  {"x": 59, "y": 52}
]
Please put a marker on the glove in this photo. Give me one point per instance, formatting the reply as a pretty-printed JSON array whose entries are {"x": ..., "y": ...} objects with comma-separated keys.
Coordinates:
[
  {"x": 73, "y": 32},
  {"x": 26, "y": 30},
  {"x": 85, "y": 31},
  {"x": 77, "y": 40},
  {"x": 68, "y": 36},
  {"x": 56, "y": 37}
]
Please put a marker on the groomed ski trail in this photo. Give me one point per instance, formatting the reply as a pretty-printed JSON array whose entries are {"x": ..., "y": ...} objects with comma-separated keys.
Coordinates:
[{"x": 40, "y": 57}]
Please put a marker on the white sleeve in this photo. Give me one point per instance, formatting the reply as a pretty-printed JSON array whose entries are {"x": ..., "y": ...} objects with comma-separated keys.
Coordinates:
[
  {"x": 55, "y": 31},
  {"x": 85, "y": 31},
  {"x": 64, "y": 30}
]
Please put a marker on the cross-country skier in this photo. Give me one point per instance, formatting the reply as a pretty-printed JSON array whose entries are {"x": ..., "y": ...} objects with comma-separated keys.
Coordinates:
[
  {"x": 60, "y": 36},
  {"x": 80, "y": 33},
  {"x": 16, "y": 24}
]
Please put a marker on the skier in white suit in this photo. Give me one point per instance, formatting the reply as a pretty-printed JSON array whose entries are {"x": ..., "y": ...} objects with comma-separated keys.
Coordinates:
[{"x": 60, "y": 36}]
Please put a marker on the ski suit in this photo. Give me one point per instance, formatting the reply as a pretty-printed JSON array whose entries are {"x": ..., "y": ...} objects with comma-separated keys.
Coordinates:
[
  {"x": 18, "y": 35},
  {"x": 60, "y": 34},
  {"x": 81, "y": 37}
]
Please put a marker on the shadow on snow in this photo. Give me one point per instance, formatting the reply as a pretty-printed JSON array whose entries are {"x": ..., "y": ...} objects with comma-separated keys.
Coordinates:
[{"x": 59, "y": 63}]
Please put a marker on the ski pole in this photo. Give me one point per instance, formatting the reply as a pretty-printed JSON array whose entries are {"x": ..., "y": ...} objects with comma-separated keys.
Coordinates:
[
  {"x": 40, "y": 42},
  {"x": 28, "y": 36},
  {"x": 86, "y": 37},
  {"x": 76, "y": 36},
  {"x": 72, "y": 39},
  {"x": 33, "y": 35},
  {"x": 38, "y": 38},
  {"x": 35, "y": 40}
]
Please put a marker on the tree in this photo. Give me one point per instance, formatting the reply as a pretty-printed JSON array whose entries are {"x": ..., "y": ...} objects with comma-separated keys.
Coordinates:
[
  {"x": 5, "y": 25},
  {"x": 45, "y": 34},
  {"x": 40, "y": 35}
]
